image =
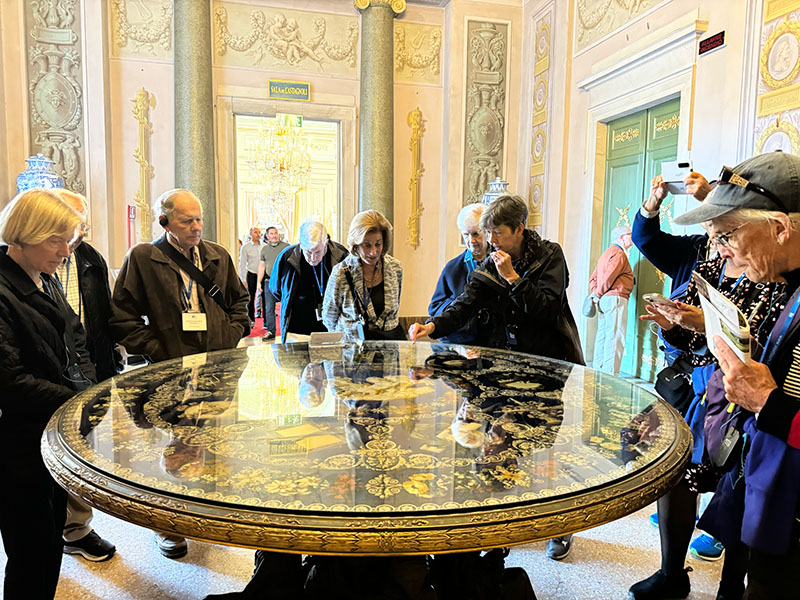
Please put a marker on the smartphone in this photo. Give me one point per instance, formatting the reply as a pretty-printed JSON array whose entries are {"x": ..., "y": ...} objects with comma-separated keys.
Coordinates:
[
  {"x": 673, "y": 173},
  {"x": 654, "y": 298}
]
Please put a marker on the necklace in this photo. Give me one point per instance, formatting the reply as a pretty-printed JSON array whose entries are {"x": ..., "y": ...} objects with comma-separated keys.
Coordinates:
[{"x": 375, "y": 271}]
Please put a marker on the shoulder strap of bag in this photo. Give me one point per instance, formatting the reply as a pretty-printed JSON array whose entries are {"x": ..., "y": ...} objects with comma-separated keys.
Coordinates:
[{"x": 212, "y": 289}]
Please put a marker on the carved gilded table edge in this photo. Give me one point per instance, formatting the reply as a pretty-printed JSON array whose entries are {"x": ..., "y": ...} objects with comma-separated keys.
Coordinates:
[{"x": 362, "y": 534}]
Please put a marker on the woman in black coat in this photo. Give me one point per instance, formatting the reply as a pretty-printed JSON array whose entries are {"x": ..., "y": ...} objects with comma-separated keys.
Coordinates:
[{"x": 43, "y": 362}]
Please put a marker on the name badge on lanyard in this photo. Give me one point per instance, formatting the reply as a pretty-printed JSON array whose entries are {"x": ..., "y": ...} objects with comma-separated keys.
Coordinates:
[{"x": 194, "y": 321}]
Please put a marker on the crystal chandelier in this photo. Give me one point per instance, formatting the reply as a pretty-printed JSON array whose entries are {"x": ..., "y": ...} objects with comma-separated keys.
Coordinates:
[{"x": 280, "y": 165}]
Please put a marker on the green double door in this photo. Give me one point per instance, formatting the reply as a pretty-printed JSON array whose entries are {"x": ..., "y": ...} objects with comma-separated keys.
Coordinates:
[{"x": 636, "y": 147}]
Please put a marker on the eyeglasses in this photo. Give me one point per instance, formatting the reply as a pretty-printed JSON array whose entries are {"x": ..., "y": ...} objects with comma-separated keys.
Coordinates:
[
  {"x": 723, "y": 240},
  {"x": 727, "y": 175}
]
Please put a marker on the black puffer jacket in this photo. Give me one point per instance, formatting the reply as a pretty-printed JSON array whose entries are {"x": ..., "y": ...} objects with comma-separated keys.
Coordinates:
[
  {"x": 534, "y": 310},
  {"x": 33, "y": 359},
  {"x": 96, "y": 298}
]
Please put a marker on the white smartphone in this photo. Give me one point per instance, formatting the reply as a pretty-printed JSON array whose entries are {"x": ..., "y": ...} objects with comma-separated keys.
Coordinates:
[
  {"x": 673, "y": 173},
  {"x": 654, "y": 298}
]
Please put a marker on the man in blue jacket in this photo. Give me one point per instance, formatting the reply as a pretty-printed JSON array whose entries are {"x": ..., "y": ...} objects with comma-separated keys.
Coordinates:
[{"x": 458, "y": 272}]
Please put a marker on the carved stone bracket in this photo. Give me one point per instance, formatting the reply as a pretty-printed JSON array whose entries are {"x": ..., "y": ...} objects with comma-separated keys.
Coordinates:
[
  {"x": 417, "y": 124},
  {"x": 486, "y": 92},
  {"x": 150, "y": 31},
  {"x": 54, "y": 67},
  {"x": 280, "y": 38},
  {"x": 142, "y": 104}
]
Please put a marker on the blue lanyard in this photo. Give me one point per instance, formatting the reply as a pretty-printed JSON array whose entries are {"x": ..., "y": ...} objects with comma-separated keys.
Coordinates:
[
  {"x": 722, "y": 277},
  {"x": 188, "y": 294},
  {"x": 470, "y": 260},
  {"x": 770, "y": 348},
  {"x": 321, "y": 279}
]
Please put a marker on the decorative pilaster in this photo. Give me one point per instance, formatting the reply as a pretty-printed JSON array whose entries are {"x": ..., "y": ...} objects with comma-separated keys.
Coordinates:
[
  {"x": 376, "y": 126},
  {"x": 194, "y": 107},
  {"x": 417, "y": 124},
  {"x": 55, "y": 75},
  {"x": 142, "y": 104}
]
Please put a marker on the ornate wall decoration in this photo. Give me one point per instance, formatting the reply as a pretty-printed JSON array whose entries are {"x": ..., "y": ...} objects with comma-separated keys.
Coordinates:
[
  {"x": 778, "y": 103},
  {"x": 54, "y": 76},
  {"x": 597, "y": 18},
  {"x": 667, "y": 124},
  {"x": 543, "y": 21},
  {"x": 417, "y": 124},
  {"x": 141, "y": 28},
  {"x": 417, "y": 52},
  {"x": 288, "y": 39},
  {"x": 486, "y": 98},
  {"x": 780, "y": 56},
  {"x": 142, "y": 104},
  {"x": 627, "y": 135}
]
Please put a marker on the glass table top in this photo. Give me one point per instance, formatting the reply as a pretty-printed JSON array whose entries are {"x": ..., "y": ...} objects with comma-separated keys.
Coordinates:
[{"x": 287, "y": 436}]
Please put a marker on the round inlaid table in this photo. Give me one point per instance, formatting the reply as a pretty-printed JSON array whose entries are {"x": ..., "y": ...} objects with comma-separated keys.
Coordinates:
[{"x": 378, "y": 448}]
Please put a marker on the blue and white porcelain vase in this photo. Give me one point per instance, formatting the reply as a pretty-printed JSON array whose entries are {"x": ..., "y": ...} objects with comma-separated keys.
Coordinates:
[
  {"x": 39, "y": 174},
  {"x": 497, "y": 188}
]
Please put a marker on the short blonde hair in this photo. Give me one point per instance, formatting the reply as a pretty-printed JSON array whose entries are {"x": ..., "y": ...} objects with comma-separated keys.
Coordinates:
[
  {"x": 365, "y": 222},
  {"x": 35, "y": 215},
  {"x": 72, "y": 198}
]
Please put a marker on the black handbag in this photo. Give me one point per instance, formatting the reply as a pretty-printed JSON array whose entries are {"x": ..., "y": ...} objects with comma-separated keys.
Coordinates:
[{"x": 674, "y": 384}]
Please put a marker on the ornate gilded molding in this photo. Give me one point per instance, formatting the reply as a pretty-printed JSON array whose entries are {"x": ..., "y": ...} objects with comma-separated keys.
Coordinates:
[
  {"x": 416, "y": 63},
  {"x": 623, "y": 219},
  {"x": 667, "y": 124},
  {"x": 142, "y": 104},
  {"x": 150, "y": 29},
  {"x": 398, "y": 6},
  {"x": 780, "y": 56},
  {"x": 417, "y": 124},
  {"x": 486, "y": 93},
  {"x": 779, "y": 135},
  {"x": 541, "y": 121},
  {"x": 55, "y": 75},
  {"x": 627, "y": 135},
  {"x": 279, "y": 37},
  {"x": 597, "y": 18}
]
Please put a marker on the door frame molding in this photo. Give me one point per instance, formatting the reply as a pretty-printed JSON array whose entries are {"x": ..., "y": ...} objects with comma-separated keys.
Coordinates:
[{"x": 229, "y": 106}]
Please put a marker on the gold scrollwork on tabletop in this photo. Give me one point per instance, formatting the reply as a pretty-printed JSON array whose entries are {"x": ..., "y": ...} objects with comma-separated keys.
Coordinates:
[
  {"x": 142, "y": 104},
  {"x": 780, "y": 57},
  {"x": 417, "y": 124},
  {"x": 627, "y": 135}
]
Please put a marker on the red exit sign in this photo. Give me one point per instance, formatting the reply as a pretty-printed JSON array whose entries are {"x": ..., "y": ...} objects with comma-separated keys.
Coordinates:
[{"x": 712, "y": 43}]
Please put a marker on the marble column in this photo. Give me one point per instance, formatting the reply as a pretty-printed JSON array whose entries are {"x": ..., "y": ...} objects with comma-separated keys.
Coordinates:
[
  {"x": 194, "y": 107},
  {"x": 376, "y": 105}
]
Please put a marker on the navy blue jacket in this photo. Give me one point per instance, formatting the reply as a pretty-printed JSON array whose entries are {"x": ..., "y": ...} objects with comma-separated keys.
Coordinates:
[
  {"x": 451, "y": 284},
  {"x": 284, "y": 280},
  {"x": 674, "y": 255}
]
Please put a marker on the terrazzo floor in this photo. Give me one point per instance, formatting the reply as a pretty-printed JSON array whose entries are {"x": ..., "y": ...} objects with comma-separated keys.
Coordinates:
[{"x": 603, "y": 563}]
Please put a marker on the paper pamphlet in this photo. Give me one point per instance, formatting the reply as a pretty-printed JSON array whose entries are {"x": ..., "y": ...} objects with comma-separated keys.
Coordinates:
[{"x": 724, "y": 319}]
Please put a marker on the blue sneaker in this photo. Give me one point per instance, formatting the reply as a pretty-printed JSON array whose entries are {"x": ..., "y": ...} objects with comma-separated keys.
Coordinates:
[
  {"x": 706, "y": 547},
  {"x": 654, "y": 520}
]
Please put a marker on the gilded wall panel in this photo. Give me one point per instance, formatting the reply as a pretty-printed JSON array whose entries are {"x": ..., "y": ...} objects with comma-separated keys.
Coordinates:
[
  {"x": 487, "y": 56},
  {"x": 777, "y": 124},
  {"x": 55, "y": 76},
  {"x": 141, "y": 28},
  {"x": 290, "y": 40},
  {"x": 597, "y": 18},
  {"x": 542, "y": 73},
  {"x": 417, "y": 52}
]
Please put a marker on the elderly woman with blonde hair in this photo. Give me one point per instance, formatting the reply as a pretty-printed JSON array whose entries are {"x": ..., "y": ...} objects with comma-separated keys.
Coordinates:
[
  {"x": 43, "y": 362},
  {"x": 363, "y": 295}
]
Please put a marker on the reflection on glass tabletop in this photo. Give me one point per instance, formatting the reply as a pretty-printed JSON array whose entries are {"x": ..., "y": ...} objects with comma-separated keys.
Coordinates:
[{"x": 275, "y": 434}]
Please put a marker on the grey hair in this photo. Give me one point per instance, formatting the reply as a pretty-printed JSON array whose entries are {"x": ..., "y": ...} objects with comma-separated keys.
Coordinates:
[
  {"x": 311, "y": 232},
  {"x": 740, "y": 216},
  {"x": 619, "y": 231},
  {"x": 505, "y": 210},
  {"x": 470, "y": 215},
  {"x": 165, "y": 203}
]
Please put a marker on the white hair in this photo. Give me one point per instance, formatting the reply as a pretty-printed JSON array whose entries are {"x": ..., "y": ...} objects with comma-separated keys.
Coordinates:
[
  {"x": 311, "y": 232},
  {"x": 165, "y": 203},
  {"x": 469, "y": 216},
  {"x": 619, "y": 231}
]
